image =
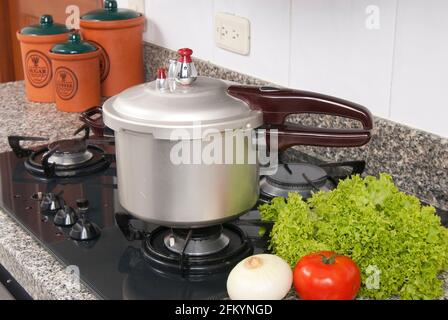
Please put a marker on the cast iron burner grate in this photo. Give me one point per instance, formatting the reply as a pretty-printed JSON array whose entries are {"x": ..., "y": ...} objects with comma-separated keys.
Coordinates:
[
  {"x": 196, "y": 242},
  {"x": 201, "y": 252},
  {"x": 305, "y": 178},
  {"x": 37, "y": 164},
  {"x": 62, "y": 159}
]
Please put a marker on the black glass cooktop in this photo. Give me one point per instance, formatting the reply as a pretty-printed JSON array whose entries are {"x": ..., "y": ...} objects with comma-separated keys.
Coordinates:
[{"x": 111, "y": 266}]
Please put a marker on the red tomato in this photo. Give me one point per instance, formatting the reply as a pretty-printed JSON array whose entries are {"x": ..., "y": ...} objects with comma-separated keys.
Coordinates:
[{"x": 326, "y": 276}]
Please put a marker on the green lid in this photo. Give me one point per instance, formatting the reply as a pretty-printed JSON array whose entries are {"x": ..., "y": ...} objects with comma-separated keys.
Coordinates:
[
  {"x": 46, "y": 27},
  {"x": 74, "y": 45},
  {"x": 110, "y": 12}
]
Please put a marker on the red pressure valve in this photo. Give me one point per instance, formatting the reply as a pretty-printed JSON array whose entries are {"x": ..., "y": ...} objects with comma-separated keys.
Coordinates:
[
  {"x": 185, "y": 72},
  {"x": 161, "y": 81},
  {"x": 185, "y": 55},
  {"x": 161, "y": 73}
]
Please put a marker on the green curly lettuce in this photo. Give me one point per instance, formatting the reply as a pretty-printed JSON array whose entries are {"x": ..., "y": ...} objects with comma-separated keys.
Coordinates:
[{"x": 375, "y": 224}]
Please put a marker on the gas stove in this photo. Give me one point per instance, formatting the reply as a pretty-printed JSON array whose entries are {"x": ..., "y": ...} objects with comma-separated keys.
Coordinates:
[
  {"x": 306, "y": 178},
  {"x": 64, "y": 158},
  {"x": 70, "y": 205}
]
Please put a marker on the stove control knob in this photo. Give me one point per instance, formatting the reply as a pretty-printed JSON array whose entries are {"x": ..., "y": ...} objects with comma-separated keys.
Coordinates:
[
  {"x": 82, "y": 204},
  {"x": 84, "y": 229},
  {"x": 50, "y": 203},
  {"x": 65, "y": 217}
]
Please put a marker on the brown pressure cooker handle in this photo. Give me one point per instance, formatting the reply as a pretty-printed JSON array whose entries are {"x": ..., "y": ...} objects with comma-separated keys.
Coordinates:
[
  {"x": 94, "y": 119},
  {"x": 276, "y": 104}
]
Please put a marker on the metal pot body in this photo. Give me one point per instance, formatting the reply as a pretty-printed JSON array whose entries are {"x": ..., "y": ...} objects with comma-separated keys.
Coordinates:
[
  {"x": 197, "y": 193},
  {"x": 154, "y": 189}
]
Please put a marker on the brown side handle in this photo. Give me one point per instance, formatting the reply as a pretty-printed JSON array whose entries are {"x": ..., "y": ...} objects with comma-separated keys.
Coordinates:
[
  {"x": 276, "y": 104},
  {"x": 290, "y": 135},
  {"x": 94, "y": 119}
]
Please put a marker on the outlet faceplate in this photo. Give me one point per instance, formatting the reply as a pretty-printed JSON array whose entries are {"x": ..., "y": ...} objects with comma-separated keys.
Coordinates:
[{"x": 232, "y": 33}]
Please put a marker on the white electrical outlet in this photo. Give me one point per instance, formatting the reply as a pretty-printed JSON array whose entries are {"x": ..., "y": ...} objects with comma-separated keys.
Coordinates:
[
  {"x": 232, "y": 33},
  {"x": 137, "y": 5}
]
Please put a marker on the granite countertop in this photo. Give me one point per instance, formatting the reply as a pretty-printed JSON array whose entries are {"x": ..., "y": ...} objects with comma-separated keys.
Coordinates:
[
  {"x": 39, "y": 272},
  {"x": 41, "y": 275}
]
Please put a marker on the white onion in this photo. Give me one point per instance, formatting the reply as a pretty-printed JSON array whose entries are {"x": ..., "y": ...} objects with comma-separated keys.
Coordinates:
[{"x": 260, "y": 277}]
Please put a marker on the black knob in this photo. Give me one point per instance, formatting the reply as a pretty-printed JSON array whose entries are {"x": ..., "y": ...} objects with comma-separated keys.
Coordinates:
[
  {"x": 82, "y": 204},
  {"x": 65, "y": 217},
  {"x": 84, "y": 230},
  {"x": 50, "y": 203}
]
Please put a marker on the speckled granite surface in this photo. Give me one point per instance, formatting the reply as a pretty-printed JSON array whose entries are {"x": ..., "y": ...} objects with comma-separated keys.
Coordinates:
[
  {"x": 417, "y": 160},
  {"x": 156, "y": 57},
  {"x": 42, "y": 276}
]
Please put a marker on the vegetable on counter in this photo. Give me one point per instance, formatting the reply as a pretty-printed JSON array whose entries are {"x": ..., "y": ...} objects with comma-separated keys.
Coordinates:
[
  {"x": 398, "y": 244},
  {"x": 260, "y": 277},
  {"x": 326, "y": 275}
]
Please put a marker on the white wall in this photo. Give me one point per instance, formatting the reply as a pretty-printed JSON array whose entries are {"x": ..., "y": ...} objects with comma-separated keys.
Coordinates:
[
  {"x": 399, "y": 70},
  {"x": 420, "y": 74}
]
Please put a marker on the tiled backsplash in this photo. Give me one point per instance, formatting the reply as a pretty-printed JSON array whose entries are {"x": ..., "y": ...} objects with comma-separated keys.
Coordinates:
[
  {"x": 384, "y": 54},
  {"x": 417, "y": 160}
]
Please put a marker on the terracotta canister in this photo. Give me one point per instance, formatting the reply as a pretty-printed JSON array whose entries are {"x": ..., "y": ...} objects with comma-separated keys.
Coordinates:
[
  {"x": 35, "y": 42},
  {"x": 118, "y": 32},
  {"x": 76, "y": 74}
]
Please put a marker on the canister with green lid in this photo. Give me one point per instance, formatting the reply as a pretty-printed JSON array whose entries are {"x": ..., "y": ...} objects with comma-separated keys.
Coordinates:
[
  {"x": 76, "y": 70},
  {"x": 118, "y": 32},
  {"x": 35, "y": 43}
]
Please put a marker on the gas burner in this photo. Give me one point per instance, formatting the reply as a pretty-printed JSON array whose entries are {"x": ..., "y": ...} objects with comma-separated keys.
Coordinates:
[
  {"x": 39, "y": 164},
  {"x": 196, "y": 242},
  {"x": 200, "y": 252},
  {"x": 300, "y": 177},
  {"x": 69, "y": 152},
  {"x": 306, "y": 178},
  {"x": 64, "y": 158}
]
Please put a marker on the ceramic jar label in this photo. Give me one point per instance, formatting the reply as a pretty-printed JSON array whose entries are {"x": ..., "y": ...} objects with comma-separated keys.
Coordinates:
[
  {"x": 38, "y": 69},
  {"x": 66, "y": 83}
]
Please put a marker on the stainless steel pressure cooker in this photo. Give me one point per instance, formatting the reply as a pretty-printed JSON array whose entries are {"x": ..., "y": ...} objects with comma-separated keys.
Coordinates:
[{"x": 151, "y": 125}]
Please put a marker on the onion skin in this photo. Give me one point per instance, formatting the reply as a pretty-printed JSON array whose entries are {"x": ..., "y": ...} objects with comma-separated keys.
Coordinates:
[{"x": 260, "y": 277}]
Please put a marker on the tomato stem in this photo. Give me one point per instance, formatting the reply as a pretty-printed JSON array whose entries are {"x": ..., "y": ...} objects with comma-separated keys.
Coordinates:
[{"x": 329, "y": 260}]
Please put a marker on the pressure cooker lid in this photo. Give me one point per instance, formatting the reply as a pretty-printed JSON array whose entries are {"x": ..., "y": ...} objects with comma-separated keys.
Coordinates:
[{"x": 205, "y": 104}]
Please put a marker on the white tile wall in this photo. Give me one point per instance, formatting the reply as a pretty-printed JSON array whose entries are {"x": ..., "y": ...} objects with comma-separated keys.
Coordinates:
[
  {"x": 420, "y": 78},
  {"x": 123, "y": 3},
  {"x": 176, "y": 24},
  {"x": 333, "y": 52},
  {"x": 270, "y": 43},
  {"x": 397, "y": 71}
]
